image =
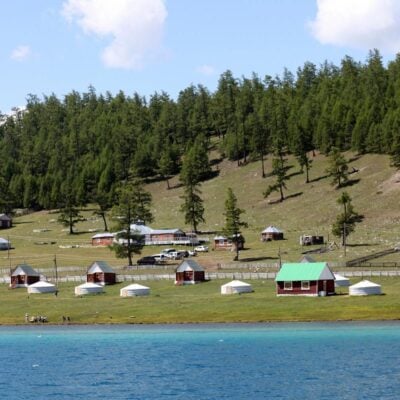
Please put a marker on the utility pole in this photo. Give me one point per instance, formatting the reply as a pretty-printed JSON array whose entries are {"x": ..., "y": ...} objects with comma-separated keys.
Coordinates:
[
  {"x": 55, "y": 269},
  {"x": 344, "y": 238}
]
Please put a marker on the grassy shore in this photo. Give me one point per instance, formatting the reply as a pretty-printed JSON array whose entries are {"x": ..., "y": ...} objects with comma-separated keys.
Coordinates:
[{"x": 201, "y": 303}]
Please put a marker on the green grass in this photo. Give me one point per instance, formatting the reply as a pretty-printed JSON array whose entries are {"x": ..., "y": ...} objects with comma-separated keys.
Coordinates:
[
  {"x": 196, "y": 304},
  {"x": 312, "y": 211}
]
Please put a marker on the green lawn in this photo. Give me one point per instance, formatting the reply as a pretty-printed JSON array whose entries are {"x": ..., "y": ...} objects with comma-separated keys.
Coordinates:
[{"x": 197, "y": 304}]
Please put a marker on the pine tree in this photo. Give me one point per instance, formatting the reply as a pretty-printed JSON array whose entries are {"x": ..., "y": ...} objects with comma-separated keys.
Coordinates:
[
  {"x": 233, "y": 222},
  {"x": 192, "y": 206},
  {"x": 280, "y": 171},
  {"x": 345, "y": 221},
  {"x": 338, "y": 168},
  {"x": 126, "y": 213}
]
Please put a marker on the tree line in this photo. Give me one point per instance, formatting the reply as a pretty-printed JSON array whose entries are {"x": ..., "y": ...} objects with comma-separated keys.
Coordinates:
[{"x": 64, "y": 153}]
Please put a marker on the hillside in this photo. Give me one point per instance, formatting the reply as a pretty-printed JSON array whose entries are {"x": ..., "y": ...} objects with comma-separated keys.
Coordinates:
[{"x": 309, "y": 209}]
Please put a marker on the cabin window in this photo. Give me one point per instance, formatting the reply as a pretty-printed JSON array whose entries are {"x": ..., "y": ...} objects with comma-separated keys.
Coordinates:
[
  {"x": 305, "y": 285},
  {"x": 288, "y": 285}
]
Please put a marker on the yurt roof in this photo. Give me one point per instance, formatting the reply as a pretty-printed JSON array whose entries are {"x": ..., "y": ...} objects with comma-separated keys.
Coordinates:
[
  {"x": 236, "y": 283},
  {"x": 103, "y": 235},
  {"x": 89, "y": 285},
  {"x": 134, "y": 286},
  {"x": 304, "y": 272},
  {"x": 189, "y": 265},
  {"x": 364, "y": 284},
  {"x": 4, "y": 217},
  {"x": 339, "y": 277},
  {"x": 42, "y": 284},
  {"x": 272, "y": 229},
  {"x": 24, "y": 269},
  {"x": 100, "y": 266}
]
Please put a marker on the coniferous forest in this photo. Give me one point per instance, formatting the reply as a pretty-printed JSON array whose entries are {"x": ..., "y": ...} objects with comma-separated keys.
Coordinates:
[{"x": 77, "y": 149}]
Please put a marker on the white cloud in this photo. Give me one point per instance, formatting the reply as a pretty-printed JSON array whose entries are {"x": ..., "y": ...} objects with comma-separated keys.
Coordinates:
[
  {"x": 207, "y": 70},
  {"x": 363, "y": 24},
  {"x": 21, "y": 53},
  {"x": 134, "y": 27}
]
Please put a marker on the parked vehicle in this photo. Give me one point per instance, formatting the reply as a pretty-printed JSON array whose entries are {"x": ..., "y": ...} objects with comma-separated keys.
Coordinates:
[
  {"x": 192, "y": 253},
  {"x": 160, "y": 257},
  {"x": 168, "y": 252},
  {"x": 201, "y": 248},
  {"x": 148, "y": 260}
]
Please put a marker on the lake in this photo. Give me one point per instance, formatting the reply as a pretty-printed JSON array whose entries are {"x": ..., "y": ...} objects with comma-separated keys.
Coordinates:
[{"x": 233, "y": 361}]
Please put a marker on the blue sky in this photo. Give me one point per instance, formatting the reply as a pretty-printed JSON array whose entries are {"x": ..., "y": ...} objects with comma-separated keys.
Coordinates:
[{"x": 144, "y": 46}]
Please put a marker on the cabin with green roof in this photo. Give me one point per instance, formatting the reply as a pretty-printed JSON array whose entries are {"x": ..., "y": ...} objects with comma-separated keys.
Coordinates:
[
  {"x": 101, "y": 273},
  {"x": 305, "y": 279}
]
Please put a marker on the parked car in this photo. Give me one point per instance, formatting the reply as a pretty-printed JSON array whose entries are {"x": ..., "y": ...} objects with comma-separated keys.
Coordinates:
[
  {"x": 201, "y": 248},
  {"x": 160, "y": 257},
  {"x": 192, "y": 253},
  {"x": 168, "y": 252},
  {"x": 148, "y": 260}
]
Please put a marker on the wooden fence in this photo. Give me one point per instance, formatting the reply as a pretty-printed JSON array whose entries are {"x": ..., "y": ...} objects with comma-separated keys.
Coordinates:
[{"x": 216, "y": 275}]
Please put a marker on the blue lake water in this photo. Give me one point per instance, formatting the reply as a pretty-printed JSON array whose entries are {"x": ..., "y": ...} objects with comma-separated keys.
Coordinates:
[{"x": 265, "y": 361}]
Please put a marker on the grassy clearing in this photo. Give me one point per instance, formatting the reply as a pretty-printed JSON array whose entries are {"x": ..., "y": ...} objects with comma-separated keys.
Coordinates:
[
  {"x": 310, "y": 208},
  {"x": 199, "y": 303}
]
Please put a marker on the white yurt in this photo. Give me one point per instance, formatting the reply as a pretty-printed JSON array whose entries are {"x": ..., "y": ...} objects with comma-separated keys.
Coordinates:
[
  {"x": 341, "y": 281},
  {"x": 88, "y": 288},
  {"x": 236, "y": 287},
  {"x": 134, "y": 290},
  {"x": 42, "y": 287},
  {"x": 4, "y": 244},
  {"x": 364, "y": 288}
]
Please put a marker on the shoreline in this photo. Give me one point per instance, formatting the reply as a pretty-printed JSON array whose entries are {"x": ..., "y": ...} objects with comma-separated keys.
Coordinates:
[{"x": 196, "y": 324}]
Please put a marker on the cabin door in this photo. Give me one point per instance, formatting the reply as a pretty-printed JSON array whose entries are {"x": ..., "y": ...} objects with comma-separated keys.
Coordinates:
[{"x": 324, "y": 286}]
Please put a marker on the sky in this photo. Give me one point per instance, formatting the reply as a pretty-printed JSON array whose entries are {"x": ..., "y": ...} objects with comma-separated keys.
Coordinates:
[{"x": 148, "y": 46}]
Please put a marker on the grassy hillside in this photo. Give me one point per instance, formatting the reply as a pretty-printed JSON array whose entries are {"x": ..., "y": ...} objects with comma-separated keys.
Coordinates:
[{"x": 309, "y": 209}]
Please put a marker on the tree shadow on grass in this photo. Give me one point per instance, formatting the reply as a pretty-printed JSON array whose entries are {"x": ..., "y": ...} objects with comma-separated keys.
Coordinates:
[
  {"x": 252, "y": 259},
  {"x": 22, "y": 222},
  {"x": 293, "y": 195},
  {"x": 319, "y": 178},
  {"x": 361, "y": 244},
  {"x": 295, "y": 174},
  {"x": 350, "y": 182}
]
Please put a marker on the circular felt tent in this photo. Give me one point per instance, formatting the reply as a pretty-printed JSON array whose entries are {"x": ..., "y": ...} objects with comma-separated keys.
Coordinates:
[
  {"x": 4, "y": 244},
  {"x": 365, "y": 288},
  {"x": 341, "y": 281},
  {"x": 134, "y": 290},
  {"x": 88, "y": 288},
  {"x": 236, "y": 286},
  {"x": 42, "y": 287}
]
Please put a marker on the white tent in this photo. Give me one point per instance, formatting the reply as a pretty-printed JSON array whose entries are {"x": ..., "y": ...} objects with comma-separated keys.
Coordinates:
[
  {"x": 134, "y": 290},
  {"x": 4, "y": 244},
  {"x": 271, "y": 229},
  {"x": 42, "y": 287},
  {"x": 341, "y": 281},
  {"x": 236, "y": 287},
  {"x": 88, "y": 288},
  {"x": 364, "y": 288}
]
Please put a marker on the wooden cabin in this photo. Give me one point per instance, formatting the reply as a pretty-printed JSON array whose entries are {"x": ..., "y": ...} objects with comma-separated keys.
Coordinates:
[
  {"x": 224, "y": 243},
  {"x": 271, "y": 233},
  {"x": 308, "y": 240},
  {"x": 103, "y": 239},
  {"x": 23, "y": 276},
  {"x": 5, "y": 221},
  {"x": 305, "y": 279},
  {"x": 164, "y": 236},
  {"x": 101, "y": 273},
  {"x": 189, "y": 272}
]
